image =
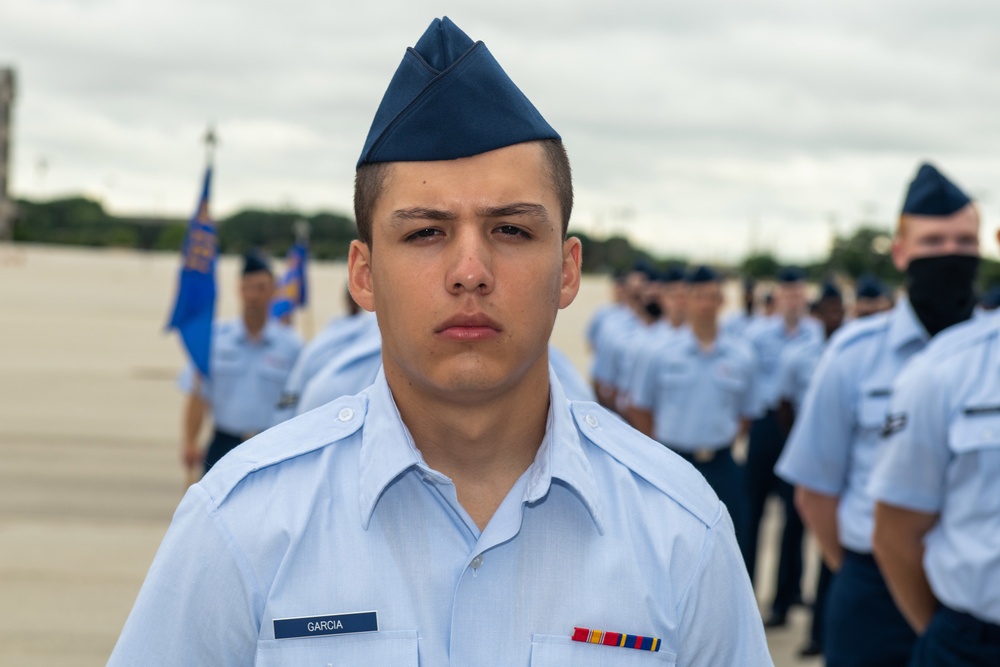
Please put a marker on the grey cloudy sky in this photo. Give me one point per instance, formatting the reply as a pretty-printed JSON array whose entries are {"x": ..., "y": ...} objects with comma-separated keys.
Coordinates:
[{"x": 704, "y": 129}]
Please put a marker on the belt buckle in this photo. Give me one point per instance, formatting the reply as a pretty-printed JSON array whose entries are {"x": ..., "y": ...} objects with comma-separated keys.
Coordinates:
[{"x": 704, "y": 455}]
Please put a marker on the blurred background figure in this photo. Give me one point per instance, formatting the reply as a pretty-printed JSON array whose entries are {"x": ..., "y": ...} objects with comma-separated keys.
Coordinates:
[
  {"x": 696, "y": 395},
  {"x": 337, "y": 336},
  {"x": 251, "y": 357},
  {"x": 770, "y": 338},
  {"x": 990, "y": 300},
  {"x": 738, "y": 323},
  {"x": 871, "y": 296},
  {"x": 798, "y": 365},
  {"x": 837, "y": 438}
]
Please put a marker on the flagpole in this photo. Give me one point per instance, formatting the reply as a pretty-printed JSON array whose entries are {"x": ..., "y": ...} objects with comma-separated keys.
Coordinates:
[{"x": 301, "y": 229}]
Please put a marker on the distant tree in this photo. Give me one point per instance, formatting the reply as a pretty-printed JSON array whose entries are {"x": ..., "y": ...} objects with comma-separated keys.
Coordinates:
[
  {"x": 759, "y": 266},
  {"x": 867, "y": 250},
  {"x": 989, "y": 274}
]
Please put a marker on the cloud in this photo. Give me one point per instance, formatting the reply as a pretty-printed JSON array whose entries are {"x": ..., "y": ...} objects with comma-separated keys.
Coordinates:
[{"x": 693, "y": 127}]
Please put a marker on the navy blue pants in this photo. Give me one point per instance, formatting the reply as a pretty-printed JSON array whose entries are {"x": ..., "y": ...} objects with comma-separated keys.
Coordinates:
[
  {"x": 863, "y": 626},
  {"x": 727, "y": 479},
  {"x": 957, "y": 639},
  {"x": 818, "y": 626},
  {"x": 222, "y": 443},
  {"x": 766, "y": 442}
]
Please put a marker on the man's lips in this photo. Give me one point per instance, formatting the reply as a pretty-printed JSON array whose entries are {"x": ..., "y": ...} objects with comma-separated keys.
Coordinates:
[{"x": 469, "y": 327}]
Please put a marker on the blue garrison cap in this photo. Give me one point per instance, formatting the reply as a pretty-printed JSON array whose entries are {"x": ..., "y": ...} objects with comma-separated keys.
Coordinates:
[
  {"x": 449, "y": 99},
  {"x": 673, "y": 275},
  {"x": 702, "y": 274},
  {"x": 254, "y": 262},
  {"x": 829, "y": 291},
  {"x": 869, "y": 287},
  {"x": 931, "y": 193},
  {"x": 991, "y": 299},
  {"x": 791, "y": 274},
  {"x": 645, "y": 268}
]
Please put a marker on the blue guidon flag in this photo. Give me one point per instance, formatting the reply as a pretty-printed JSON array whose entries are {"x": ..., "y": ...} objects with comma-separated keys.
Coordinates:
[
  {"x": 292, "y": 289},
  {"x": 195, "y": 306}
]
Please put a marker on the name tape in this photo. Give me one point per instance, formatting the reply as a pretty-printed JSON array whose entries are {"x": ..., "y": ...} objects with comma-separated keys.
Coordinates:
[{"x": 332, "y": 624}]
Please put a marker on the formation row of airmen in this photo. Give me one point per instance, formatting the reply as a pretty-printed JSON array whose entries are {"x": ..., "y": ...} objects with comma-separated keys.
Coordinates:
[
  {"x": 464, "y": 509},
  {"x": 883, "y": 435}
]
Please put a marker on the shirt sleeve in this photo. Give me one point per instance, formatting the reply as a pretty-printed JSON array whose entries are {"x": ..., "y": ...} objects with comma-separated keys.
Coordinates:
[
  {"x": 198, "y": 605},
  {"x": 914, "y": 458},
  {"x": 750, "y": 408},
  {"x": 643, "y": 380},
  {"x": 818, "y": 452},
  {"x": 720, "y": 596},
  {"x": 190, "y": 380}
]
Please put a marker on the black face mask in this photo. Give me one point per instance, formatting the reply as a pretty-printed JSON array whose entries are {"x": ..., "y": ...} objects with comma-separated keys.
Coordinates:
[
  {"x": 942, "y": 289},
  {"x": 654, "y": 310}
]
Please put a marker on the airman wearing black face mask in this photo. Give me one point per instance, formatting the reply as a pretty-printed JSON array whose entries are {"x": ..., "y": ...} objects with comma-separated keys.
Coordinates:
[{"x": 835, "y": 443}]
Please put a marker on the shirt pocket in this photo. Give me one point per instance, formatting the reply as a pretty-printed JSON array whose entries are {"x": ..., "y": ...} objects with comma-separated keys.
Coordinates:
[
  {"x": 273, "y": 376},
  {"x": 555, "y": 651},
  {"x": 356, "y": 650},
  {"x": 974, "y": 432},
  {"x": 873, "y": 408}
]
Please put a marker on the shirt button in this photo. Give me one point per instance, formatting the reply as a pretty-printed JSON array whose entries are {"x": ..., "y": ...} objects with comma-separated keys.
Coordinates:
[
  {"x": 591, "y": 421},
  {"x": 477, "y": 562},
  {"x": 346, "y": 415}
]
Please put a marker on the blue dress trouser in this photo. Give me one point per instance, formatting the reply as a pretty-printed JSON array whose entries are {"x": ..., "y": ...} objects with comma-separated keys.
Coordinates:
[
  {"x": 765, "y": 445},
  {"x": 727, "y": 479},
  {"x": 957, "y": 639},
  {"x": 222, "y": 443},
  {"x": 863, "y": 626},
  {"x": 818, "y": 625}
]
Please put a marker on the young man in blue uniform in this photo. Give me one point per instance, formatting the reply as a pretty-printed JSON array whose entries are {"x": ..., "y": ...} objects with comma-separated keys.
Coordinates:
[
  {"x": 460, "y": 511},
  {"x": 250, "y": 361},
  {"x": 696, "y": 396},
  {"x": 937, "y": 512},
  {"x": 798, "y": 365},
  {"x": 770, "y": 337},
  {"x": 338, "y": 335},
  {"x": 835, "y": 441}
]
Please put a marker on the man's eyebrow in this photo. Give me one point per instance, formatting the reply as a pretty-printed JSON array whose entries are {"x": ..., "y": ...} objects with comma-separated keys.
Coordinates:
[
  {"x": 515, "y": 210},
  {"x": 419, "y": 213}
]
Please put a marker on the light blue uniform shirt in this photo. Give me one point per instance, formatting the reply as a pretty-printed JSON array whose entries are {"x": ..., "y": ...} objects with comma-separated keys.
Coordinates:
[
  {"x": 348, "y": 373},
  {"x": 336, "y": 512},
  {"x": 769, "y": 338},
  {"x": 573, "y": 384},
  {"x": 698, "y": 397},
  {"x": 660, "y": 337},
  {"x": 334, "y": 338},
  {"x": 247, "y": 376},
  {"x": 616, "y": 326},
  {"x": 644, "y": 343},
  {"x": 835, "y": 441},
  {"x": 738, "y": 323},
  {"x": 795, "y": 370},
  {"x": 943, "y": 457}
]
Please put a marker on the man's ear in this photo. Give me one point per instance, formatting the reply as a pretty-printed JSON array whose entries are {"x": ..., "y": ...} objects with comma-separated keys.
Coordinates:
[
  {"x": 572, "y": 257},
  {"x": 359, "y": 275}
]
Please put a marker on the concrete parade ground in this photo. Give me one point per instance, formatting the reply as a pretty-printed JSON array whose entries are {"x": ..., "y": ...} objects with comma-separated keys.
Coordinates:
[{"x": 90, "y": 419}]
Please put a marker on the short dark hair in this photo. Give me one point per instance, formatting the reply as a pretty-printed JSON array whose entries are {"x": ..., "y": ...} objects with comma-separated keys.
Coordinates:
[{"x": 370, "y": 181}]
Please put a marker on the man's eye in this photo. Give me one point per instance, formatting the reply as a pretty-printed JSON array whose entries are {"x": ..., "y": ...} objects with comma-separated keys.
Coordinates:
[
  {"x": 423, "y": 234},
  {"x": 512, "y": 230}
]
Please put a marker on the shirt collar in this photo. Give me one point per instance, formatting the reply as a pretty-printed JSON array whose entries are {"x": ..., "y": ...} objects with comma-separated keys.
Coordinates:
[
  {"x": 904, "y": 326},
  {"x": 388, "y": 451},
  {"x": 267, "y": 334}
]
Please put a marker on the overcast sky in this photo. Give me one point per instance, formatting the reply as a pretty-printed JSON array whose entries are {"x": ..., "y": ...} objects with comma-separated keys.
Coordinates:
[{"x": 705, "y": 129}]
